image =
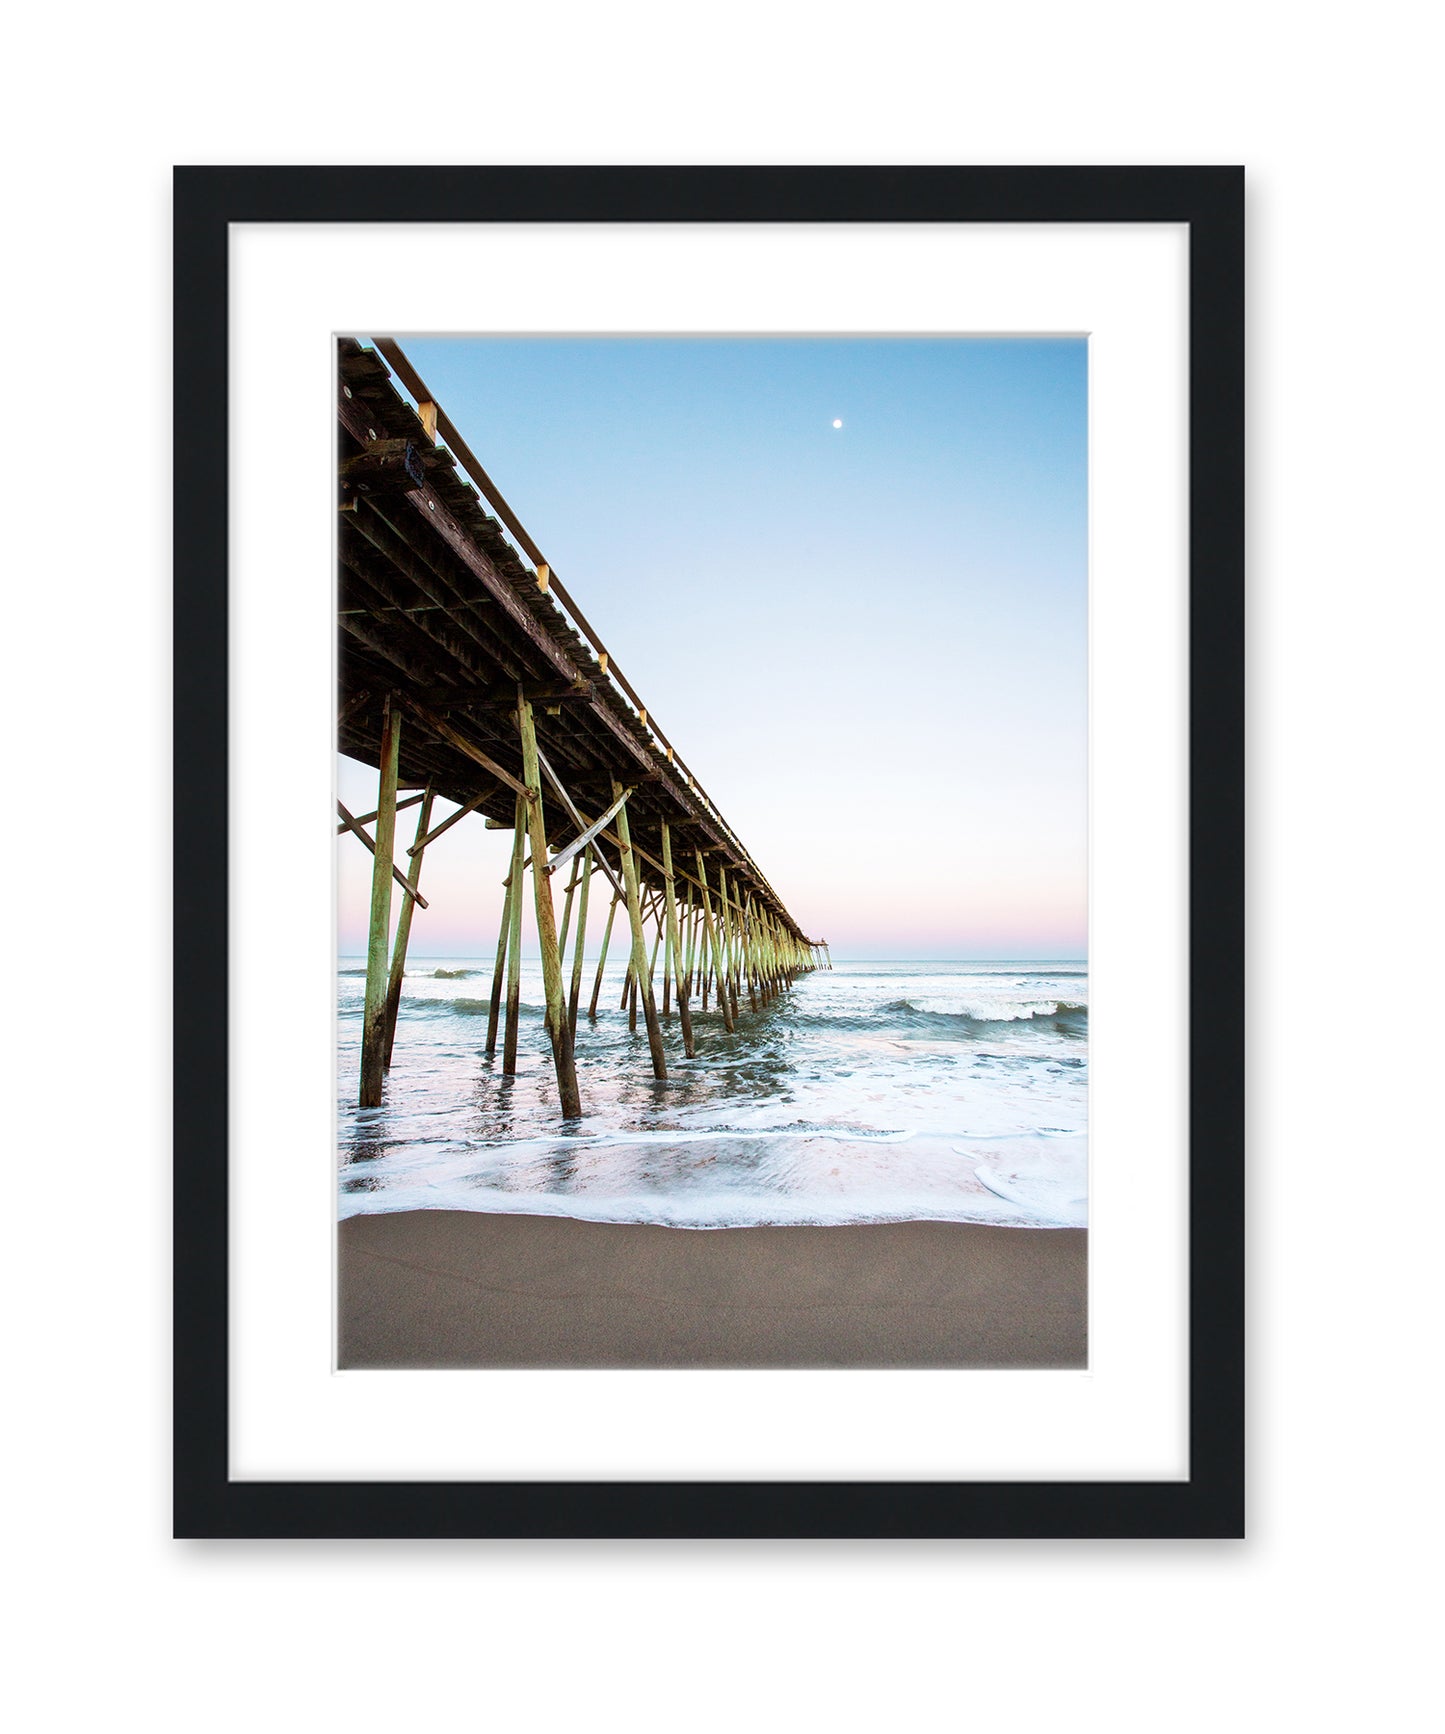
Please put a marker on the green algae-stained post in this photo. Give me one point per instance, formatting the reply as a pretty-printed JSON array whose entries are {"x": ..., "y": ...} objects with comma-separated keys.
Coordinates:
[
  {"x": 728, "y": 986},
  {"x": 715, "y": 943},
  {"x": 373, "y": 1023},
  {"x": 674, "y": 948},
  {"x": 576, "y": 989},
  {"x": 602, "y": 959},
  {"x": 639, "y": 940},
  {"x": 403, "y": 931},
  {"x": 509, "y": 890},
  {"x": 749, "y": 957},
  {"x": 562, "y": 1058},
  {"x": 567, "y": 907},
  {"x": 688, "y": 929},
  {"x": 514, "y": 944}
]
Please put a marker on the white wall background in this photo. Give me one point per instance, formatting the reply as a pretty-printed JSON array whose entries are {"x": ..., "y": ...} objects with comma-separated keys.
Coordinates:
[{"x": 1319, "y": 1619}]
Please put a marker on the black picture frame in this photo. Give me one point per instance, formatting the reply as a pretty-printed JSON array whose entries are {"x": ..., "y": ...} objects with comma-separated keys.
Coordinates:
[{"x": 1210, "y": 200}]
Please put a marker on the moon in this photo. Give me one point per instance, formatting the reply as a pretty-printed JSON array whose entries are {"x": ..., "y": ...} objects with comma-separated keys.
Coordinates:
[{"x": 837, "y": 424}]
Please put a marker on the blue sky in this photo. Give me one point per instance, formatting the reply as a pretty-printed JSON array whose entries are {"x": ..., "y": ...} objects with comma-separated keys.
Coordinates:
[{"x": 868, "y": 642}]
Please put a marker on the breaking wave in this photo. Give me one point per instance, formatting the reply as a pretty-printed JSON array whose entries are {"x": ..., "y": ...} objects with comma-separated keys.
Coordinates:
[{"x": 873, "y": 1093}]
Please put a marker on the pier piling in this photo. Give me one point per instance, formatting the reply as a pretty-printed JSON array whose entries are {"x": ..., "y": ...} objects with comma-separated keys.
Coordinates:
[
  {"x": 373, "y": 1019},
  {"x": 403, "y": 930},
  {"x": 516, "y": 711},
  {"x": 562, "y": 1058}
]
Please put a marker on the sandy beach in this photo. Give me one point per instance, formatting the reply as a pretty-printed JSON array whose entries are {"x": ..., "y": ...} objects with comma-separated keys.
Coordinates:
[{"x": 440, "y": 1288}]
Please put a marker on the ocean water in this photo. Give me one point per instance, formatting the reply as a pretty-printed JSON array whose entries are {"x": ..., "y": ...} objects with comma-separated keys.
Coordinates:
[{"x": 874, "y": 1092}]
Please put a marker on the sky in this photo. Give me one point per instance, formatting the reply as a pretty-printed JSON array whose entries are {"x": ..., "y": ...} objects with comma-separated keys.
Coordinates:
[{"x": 868, "y": 640}]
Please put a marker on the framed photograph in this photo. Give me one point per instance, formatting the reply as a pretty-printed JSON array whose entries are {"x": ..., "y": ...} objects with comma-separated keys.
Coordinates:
[{"x": 709, "y": 852}]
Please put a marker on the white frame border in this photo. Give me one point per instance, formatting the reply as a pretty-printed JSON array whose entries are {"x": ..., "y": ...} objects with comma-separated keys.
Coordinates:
[{"x": 292, "y": 1416}]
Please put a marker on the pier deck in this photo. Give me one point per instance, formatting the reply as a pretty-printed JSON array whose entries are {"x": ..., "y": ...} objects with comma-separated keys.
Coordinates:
[{"x": 467, "y": 672}]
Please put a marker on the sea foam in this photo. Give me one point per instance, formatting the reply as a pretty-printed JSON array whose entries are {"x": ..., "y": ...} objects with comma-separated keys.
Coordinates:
[{"x": 872, "y": 1093}]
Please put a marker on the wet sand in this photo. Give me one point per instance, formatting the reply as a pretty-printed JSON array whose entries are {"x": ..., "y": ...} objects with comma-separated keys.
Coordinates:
[{"x": 444, "y": 1288}]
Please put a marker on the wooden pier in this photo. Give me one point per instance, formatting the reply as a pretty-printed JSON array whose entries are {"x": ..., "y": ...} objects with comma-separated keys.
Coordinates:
[{"x": 469, "y": 674}]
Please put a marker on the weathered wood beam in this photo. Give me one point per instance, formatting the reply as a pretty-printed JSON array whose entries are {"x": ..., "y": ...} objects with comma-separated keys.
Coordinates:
[
  {"x": 674, "y": 946},
  {"x": 639, "y": 942},
  {"x": 504, "y": 928},
  {"x": 380, "y": 645},
  {"x": 440, "y": 726},
  {"x": 716, "y": 947},
  {"x": 422, "y": 574},
  {"x": 403, "y": 931},
  {"x": 366, "y": 818},
  {"x": 566, "y": 907},
  {"x": 725, "y": 921},
  {"x": 562, "y": 1056},
  {"x": 446, "y": 824},
  {"x": 576, "y": 988},
  {"x": 383, "y": 565},
  {"x": 432, "y": 510},
  {"x": 444, "y": 698},
  {"x": 356, "y": 702},
  {"x": 577, "y": 818},
  {"x": 514, "y": 942},
  {"x": 384, "y": 466},
  {"x": 602, "y": 960},
  {"x": 373, "y": 1020},
  {"x": 562, "y": 856},
  {"x": 354, "y": 826}
]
